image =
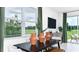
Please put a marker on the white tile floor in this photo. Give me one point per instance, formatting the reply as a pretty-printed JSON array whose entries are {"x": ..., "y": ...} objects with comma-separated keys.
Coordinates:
[
  {"x": 9, "y": 42},
  {"x": 73, "y": 41},
  {"x": 70, "y": 47}
]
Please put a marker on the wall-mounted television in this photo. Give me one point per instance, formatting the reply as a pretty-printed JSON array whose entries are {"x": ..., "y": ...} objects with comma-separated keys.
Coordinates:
[{"x": 51, "y": 23}]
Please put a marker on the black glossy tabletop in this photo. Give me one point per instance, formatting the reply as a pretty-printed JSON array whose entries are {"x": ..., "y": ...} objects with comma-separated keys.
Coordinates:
[{"x": 39, "y": 46}]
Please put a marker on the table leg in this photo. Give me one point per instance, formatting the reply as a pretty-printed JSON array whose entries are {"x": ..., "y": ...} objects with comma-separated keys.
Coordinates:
[{"x": 58, "y": 45}]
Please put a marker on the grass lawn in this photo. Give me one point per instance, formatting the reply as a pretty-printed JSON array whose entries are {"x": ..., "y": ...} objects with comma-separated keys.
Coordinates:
[
  {"x": 29, "y": 31},
  {"x": 69, "y": 33}
]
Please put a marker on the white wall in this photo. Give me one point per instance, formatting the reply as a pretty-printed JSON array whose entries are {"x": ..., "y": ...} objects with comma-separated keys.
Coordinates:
[{"x": 49, "y": 12}]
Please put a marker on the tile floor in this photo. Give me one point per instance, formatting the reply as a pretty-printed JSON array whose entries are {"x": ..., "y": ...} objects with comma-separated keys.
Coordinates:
[
  {"x": 73, "y": 41},
  {"x": 70, "y": 47}
]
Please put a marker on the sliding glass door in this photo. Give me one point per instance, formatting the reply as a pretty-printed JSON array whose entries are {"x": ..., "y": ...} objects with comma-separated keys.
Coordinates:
[
  {"x": 20, "y": 21},
  {"x": 73, "y": 28}
]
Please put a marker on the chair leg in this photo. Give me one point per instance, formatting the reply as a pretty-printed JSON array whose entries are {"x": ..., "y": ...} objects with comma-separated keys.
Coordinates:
[
  {"x": 58, "y": 45},
  {"x": 71, "y": 40},
  {"x": 77, "y": 40}
]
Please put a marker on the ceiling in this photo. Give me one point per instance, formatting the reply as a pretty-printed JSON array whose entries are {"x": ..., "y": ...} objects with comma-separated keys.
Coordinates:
[{"x": 65, "y": 9}]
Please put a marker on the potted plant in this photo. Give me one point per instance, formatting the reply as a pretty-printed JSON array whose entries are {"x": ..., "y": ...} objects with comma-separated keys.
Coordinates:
[{"x": 60, "y": 29}]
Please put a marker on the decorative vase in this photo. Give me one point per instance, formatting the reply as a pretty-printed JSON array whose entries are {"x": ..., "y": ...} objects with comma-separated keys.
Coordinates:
[
  {"x": 41, "y": 40},
  {"x": 41, "y": 37},
  {"x": 48, "y": 38},
  {"x": 33, "y": 39}
]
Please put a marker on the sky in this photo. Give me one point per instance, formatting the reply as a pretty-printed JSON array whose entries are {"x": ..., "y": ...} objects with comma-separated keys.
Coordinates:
[
  {"x": 72, "y": 21},
  {"x": 28, "y": 13}
]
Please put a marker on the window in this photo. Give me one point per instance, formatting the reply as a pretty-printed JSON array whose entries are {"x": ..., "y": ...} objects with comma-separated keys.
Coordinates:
[
  {"x": 72, "y": 26},
  {"x": 20, "y": 21},
  {"x": 29, "y": 20}
]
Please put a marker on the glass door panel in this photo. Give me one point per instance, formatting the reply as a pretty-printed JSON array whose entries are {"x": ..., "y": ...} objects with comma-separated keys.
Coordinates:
[
  {"x": 72, "y": 27},
  {"x": 20, "y": 21}
]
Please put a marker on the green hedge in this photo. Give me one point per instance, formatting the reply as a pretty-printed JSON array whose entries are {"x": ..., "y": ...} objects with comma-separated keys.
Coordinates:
[{"x": 12, "y": 29}]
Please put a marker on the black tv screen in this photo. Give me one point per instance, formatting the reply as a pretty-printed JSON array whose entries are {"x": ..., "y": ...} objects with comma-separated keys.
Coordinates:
[{"x": 51, "y": 23}]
